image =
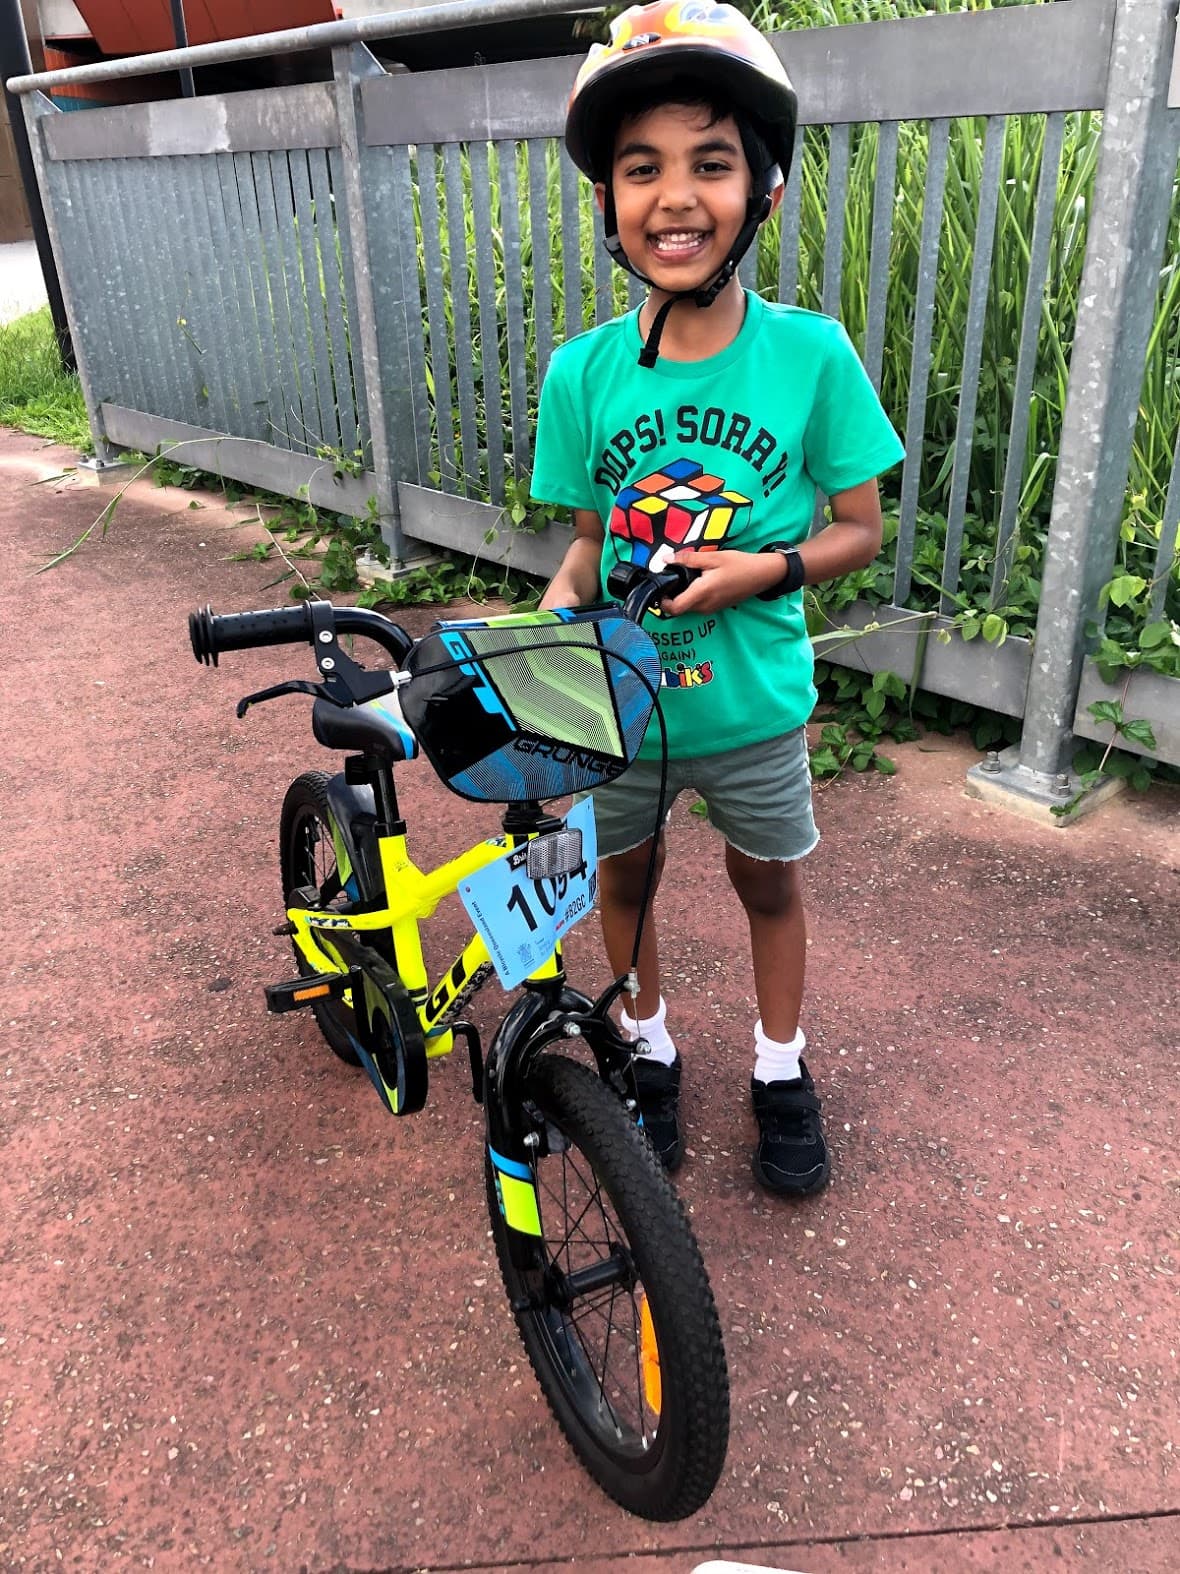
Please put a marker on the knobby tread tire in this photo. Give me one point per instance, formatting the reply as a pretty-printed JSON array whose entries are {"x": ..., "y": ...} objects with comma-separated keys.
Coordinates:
[
  {"x": 682, "y": 1466},
  {"x": 309, "y": 794}
]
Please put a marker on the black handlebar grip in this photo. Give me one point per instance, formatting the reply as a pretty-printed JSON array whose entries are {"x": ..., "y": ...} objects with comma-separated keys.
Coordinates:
[
  {"x": 212, "y": 633},
  {"x": 639, "y": 588}
]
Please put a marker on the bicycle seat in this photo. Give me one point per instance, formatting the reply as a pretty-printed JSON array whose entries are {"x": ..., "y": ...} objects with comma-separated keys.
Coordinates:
[{"x": 377, "y": 727}]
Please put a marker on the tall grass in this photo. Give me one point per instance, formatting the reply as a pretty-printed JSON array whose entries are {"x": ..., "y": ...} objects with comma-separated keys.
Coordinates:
[{"x": 36, "y": 393}]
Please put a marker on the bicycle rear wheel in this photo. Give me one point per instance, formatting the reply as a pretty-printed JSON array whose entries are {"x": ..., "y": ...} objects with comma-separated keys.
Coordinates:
[
  {"x": 307, "y": 857},
  {"x": 613, "y": 1302}
]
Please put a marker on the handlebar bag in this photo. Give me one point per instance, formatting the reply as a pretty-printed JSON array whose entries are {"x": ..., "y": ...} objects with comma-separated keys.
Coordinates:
[{"x": 533, "y": 705}]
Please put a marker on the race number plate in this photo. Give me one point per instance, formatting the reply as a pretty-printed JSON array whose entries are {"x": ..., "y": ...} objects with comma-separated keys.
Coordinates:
[{"x": 521, "y": 920}]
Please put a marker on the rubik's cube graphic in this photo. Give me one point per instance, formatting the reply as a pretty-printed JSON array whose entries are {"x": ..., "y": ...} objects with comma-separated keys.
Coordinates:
[{"x": 678, "y": 506}]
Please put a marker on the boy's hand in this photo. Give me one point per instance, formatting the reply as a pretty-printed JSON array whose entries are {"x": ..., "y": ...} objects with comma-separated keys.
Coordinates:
[{"x": 726, "y": 578}]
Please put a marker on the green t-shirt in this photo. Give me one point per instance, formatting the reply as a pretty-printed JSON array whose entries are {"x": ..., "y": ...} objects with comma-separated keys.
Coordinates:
[{"x": 723, "y": 452}]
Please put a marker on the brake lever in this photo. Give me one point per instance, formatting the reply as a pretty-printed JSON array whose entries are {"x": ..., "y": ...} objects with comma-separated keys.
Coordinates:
[{"x": 292, "y": 686}]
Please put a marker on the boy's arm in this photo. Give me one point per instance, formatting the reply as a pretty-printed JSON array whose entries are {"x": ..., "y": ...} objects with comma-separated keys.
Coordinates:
[
  {"x": 851, "y": 541},
  {"x": 576, "y": 582}
]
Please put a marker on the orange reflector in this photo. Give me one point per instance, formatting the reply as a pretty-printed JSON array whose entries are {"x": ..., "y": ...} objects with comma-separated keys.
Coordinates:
[
  {"x": 316, "y": 992},
  {"x": 649, "y": 1355}
]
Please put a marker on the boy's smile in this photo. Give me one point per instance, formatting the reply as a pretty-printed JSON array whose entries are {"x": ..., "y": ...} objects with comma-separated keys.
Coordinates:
[{"x": 681, "y": 187}]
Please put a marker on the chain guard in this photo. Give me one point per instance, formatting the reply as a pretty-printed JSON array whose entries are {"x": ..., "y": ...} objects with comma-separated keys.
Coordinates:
[{"x": 390, "y": 1037}]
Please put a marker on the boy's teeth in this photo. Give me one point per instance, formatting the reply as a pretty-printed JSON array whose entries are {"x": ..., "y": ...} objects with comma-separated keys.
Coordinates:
[{"x": 677, "y": 241}]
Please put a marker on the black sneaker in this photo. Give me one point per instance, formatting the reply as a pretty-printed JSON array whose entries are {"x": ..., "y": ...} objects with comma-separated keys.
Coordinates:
[
  {"x": 791, "y": 1156},
  {"x": 658, "y": 1090}
]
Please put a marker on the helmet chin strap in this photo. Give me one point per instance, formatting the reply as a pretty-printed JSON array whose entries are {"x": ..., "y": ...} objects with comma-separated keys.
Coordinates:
[{"x": 757, "y": 212}]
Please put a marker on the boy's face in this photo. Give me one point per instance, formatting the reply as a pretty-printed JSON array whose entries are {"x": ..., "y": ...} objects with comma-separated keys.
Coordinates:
[{"x": 681, "y": 187}]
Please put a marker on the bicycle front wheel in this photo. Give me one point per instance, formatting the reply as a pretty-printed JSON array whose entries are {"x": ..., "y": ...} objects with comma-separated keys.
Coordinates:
[{"x": 613, "y": 1302}]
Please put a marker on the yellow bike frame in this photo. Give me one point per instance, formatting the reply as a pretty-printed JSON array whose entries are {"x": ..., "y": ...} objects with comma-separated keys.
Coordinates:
[{"x": 413, "y": 897}]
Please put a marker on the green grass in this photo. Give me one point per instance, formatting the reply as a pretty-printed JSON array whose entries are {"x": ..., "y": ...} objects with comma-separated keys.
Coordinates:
[{"x": 36, "y": 393}]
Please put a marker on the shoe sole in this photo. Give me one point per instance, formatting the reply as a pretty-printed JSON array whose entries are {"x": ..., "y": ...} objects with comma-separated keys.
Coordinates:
[{"x": 792, "y": 1189}]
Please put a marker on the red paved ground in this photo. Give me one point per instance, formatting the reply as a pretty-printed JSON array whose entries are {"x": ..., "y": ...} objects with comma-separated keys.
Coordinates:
[{"x": 251, "y": 1322}]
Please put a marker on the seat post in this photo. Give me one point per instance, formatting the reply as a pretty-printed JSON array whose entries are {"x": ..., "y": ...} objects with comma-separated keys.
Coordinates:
[{"x": 386, "y": 795}]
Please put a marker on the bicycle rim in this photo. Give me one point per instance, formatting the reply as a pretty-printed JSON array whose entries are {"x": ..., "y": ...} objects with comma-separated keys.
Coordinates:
[{"x": 614, "y": 1308}]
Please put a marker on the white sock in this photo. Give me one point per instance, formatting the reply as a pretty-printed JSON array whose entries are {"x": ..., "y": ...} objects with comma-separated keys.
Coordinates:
[
  {"x": 660, "y": 1046},
  {"x": 775, "y": 1062}
]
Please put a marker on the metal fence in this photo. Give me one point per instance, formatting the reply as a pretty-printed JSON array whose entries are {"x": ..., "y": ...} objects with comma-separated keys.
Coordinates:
[{"x": 351, "y": 290}]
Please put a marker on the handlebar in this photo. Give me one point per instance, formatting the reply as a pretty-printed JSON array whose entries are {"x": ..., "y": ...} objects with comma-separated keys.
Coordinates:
[
  {"x": 211, "y": 634},
  {"x": 639, "y": 588}
]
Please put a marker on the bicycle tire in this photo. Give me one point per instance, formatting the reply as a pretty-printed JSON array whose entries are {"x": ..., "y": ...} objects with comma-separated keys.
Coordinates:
[
  {"x": 658, "y": 1454},
  {"x": 307, "y": 857}
]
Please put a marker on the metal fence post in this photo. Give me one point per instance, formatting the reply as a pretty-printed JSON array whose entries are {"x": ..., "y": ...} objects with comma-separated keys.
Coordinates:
[
  {"x": 1132, "y": 201},
  {"x": 36, "y": 108},
  {"x": 391, "y": 433}
]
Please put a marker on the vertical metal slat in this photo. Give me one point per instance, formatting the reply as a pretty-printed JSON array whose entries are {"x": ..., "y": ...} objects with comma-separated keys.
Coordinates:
[
  {"x": 129, "y": 276},
  {"x": 238, "y": 191},
  {"x": 407, "y": 234},
  {"x": 514, "y": 305},
  {"x": 313, "y": 294},
  {"x": 884, "y": 182},
  {"x": 239, "y": 372},
  {"x": 280, "y": 307},
  {"x": 571, "y": 249},
  {"x": 334, "y": 310},
  {"x": 541, "y": 246},
  {"x": 985, "y": 233},
  {"x": 788, "y": 266},
  {"x": 1026, "y": 358},
  {"x": 470, "y": 470},
  {"x": 352, "y": 310},
  {"x": 489, "y": 325},
  {"x": 834, "y": 229},
  {"x": 920, "y": 362},
  {"x": 604, "y": 268},
  {"x": 209, "y": 317},
  {"x": 98, "y": 286},
  {"x": 440, "y": 357},
  {"x": 291, "y": 274},
  {"x": 176, "y": 267}
]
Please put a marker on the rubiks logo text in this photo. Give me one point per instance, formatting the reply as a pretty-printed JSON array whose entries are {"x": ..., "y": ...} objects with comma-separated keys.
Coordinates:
[{"x": 676, "y": 506}]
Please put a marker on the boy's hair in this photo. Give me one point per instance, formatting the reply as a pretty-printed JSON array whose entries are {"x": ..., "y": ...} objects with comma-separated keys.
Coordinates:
[{"x": 692, "y": 92}]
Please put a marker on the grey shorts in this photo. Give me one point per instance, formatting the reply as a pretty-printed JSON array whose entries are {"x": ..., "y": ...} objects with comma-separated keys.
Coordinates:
[{"x": 758, "y": 797}]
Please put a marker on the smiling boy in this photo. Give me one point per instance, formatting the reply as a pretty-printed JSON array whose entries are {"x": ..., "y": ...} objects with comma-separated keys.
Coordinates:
[{"x": 699, "y": 428}]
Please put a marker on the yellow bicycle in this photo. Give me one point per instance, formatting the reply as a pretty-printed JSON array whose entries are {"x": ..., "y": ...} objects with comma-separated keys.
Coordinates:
[{"x": 602, "y": 1271}]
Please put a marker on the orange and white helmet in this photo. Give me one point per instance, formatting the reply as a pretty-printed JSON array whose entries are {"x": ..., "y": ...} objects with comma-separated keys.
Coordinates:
[{"x": 669, "y": 41}]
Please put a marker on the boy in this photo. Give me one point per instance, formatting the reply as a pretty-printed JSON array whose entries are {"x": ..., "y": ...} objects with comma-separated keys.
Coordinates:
[{"x": 699, "y": 428}]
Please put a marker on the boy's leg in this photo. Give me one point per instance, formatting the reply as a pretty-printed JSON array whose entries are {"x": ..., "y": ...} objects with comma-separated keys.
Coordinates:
[
  {"x": 760, "y": 800},
  {"x": 772, "y": 895},
  {"x": 623, "y": 812},
  {"x": 621, "y": 882}
]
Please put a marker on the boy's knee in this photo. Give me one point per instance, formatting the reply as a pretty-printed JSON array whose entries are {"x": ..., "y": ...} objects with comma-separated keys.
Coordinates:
[
  {"x": 764, "y": 886},
  {"x": 623, "y": 876}
]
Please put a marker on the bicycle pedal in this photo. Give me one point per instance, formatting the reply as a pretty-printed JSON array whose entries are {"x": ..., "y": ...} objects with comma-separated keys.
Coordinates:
[
  {"x": 287, "y": 928},
  {"x": 300, "y": 992}
]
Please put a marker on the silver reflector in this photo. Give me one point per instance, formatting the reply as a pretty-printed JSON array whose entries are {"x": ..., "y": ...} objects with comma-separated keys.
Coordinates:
[{"x": 557, "y": 852}]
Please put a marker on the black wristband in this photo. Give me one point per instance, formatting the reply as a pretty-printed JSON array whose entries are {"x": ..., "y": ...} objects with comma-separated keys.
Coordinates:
[{"x": 795, "y": 574}]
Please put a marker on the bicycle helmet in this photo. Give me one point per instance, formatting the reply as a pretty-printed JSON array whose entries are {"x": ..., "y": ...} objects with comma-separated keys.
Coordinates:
[{"x": 674, "y": 43}]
